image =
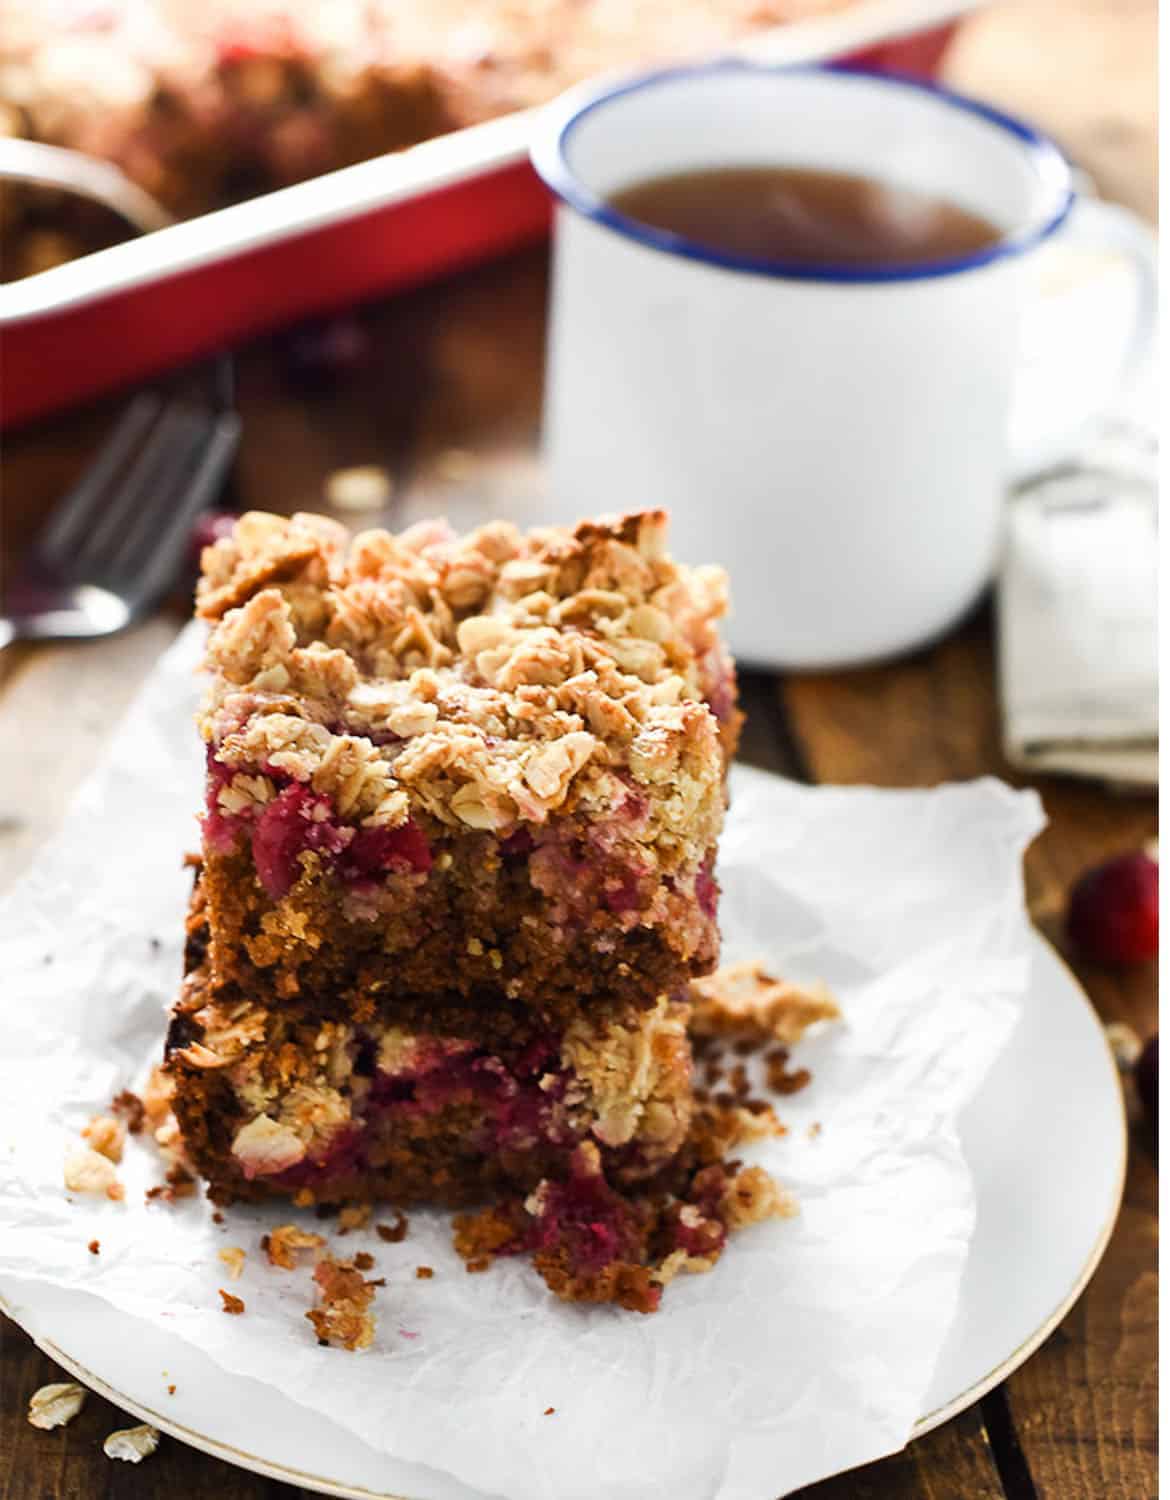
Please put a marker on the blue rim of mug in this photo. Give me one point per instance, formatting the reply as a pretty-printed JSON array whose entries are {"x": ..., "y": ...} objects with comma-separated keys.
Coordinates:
[{"x": 550, "y": 159}]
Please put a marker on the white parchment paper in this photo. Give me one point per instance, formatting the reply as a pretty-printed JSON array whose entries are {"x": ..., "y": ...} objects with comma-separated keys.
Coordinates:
[{"x": 810, "y": 1346}]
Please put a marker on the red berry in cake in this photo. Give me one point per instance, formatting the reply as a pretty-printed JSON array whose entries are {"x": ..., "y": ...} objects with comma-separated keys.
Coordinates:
[
  {"x": 1113, "y": 911},
  {"x": 1146, "y": 1077}
]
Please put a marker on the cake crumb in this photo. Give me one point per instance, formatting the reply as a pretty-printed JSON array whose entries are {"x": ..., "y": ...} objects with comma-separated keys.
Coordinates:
[
  {"x": 549, "y": 1410},
  {"x": 343, "y": 1319},
  {"x": 177, "y": 1184},
  {"x": 107, "y": 1136},
  {"x": 364, "y": 1261},
  {"x": 87, "y": 1171},
  {"x": 394, "y": 1233},
  {"x": 744, "y": 1001},
  {"x": 283, "y": 1243},
  {"x": 233, "y": 1257},
  {"x": 129, "y": 1106},
  {"x": 217, "y": 1217},
  {"x": 171, "y": 1389},
  {"x": 423, "y": 1273},
  {"x": 304, "y": 1198},
  {"x": 778, "y": 1078},
  {"x": 233, "y": 1305},
  {"x": 94, "y": 1247},
  {"x": 354, "y": 1216}
]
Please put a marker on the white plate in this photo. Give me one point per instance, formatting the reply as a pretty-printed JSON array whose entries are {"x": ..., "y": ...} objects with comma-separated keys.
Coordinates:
[{"x": 1046, "y": 1140}]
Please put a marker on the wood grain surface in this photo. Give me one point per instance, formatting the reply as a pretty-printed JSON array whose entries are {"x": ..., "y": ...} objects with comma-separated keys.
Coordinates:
[{"x": 449, "y": 406}]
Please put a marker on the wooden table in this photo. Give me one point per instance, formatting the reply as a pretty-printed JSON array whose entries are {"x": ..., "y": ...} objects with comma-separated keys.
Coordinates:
[{"x": 450, "y": 408}]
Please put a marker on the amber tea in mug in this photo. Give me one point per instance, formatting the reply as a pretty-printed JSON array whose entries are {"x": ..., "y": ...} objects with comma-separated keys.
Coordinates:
[{"x": 805, "y": 216}]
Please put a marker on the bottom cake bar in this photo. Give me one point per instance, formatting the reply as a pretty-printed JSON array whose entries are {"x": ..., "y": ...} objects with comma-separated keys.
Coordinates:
[
  {"x": 439, "y": 1104},
  {"x": 588, "y": 1149}
]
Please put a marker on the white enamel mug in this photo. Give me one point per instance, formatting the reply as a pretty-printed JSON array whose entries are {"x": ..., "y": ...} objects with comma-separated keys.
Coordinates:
[{"x": 839, "y": 438}]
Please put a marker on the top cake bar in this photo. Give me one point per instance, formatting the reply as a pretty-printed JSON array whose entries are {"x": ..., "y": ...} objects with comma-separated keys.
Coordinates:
[{"x": 487, "y": 766}]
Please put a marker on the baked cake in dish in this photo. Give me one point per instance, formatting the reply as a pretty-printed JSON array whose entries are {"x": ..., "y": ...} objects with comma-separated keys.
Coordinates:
[
  {"x": 206, "y": 102},
  {"x": 488, "y": 766}
]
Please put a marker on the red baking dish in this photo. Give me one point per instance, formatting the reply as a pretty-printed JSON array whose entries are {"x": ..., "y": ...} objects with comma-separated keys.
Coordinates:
[{"x": 113, "y": 317}]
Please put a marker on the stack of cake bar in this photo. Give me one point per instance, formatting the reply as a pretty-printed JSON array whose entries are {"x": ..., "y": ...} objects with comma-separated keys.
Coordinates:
[{"x": 463, "y": 796}]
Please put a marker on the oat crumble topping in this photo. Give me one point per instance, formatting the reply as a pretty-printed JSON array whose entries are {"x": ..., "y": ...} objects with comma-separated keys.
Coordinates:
[{"x": 485, "y": 680}]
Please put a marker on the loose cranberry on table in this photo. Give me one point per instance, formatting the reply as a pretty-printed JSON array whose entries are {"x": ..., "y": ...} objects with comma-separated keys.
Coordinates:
[{"x": 1113, "y": 911}]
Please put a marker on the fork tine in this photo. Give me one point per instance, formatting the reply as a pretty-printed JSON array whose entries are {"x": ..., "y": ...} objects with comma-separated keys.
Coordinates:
[
  {"x": 126, "y": 502},
  {"x": 76, "y": 510},
  {"x": 155, "y": 572},
  {"x": 146, "y": 508}
]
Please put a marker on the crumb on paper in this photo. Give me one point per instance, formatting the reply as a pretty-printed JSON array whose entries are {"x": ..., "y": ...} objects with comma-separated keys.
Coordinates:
[
  {"x": 217, "y": 1217},
  {"x": 779, "y": 1079},
  {"x": 659, "y": 1229},
  {"x": 107, "y": 1136},
  {"x": 55, "y": 1405},
  {"x": 233, "y": 1257},
  {"x": 231, "y": 1304},
  {"x": 282, "y": 1244},
  {"x": 343, "y": 1318},
  {"x": 364, "y": 1261},
  {"x": 354, "y": 1216},
  {"x": 744, "y": 999},
  {"x": 814, "y": 1130},
  {"x": 549, "y": 1411},
  {"x": 366, "y": 487},
  {"x": 171, "y": 1389},
  {"x": 424, "y": 1273},
  {"x": 94, "y": 1247},
  {"x": 394, "y": 1233},
  {"x": 178, "y": 1184},
  {"x": 87, "y": 1171},
  {"x": 132, "y": 1444},
  {"x": 128, "y": 1105}
]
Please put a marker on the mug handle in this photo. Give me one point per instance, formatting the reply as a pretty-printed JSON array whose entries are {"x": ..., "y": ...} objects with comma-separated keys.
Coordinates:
[{"x": 1069, "y": 374}]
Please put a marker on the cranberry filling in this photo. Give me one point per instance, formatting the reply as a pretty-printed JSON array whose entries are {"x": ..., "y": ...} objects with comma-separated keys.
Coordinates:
[
  {"x": 623, "y": 895},
  {"x": 520, "y": 1112},
  {"x": 294, "y": 821},
  {"x": 707, "y": 889},
  {"x": 372, "y": 851},
  {"x": 517, "y": 844},
  {"x": 344, "y": 1155},
  {"x": 587, "y": 1219},
  {"x": 299, "y": 819}
]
